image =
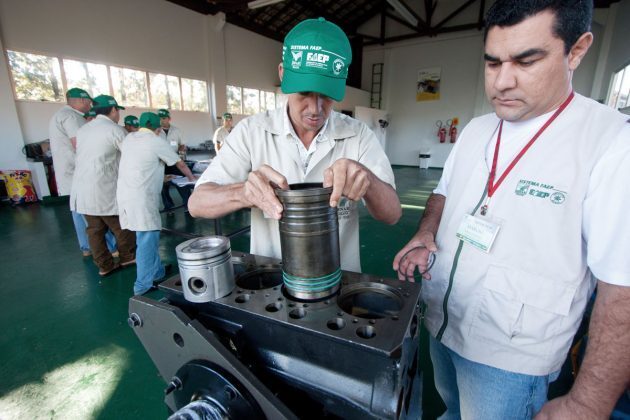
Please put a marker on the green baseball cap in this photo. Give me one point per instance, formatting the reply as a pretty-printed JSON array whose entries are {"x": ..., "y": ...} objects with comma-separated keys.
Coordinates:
[
  {"x": 163, "y": 113},
  {"x": 132, "y": 120},
  {"x": 315, "y": 56},
  {"x": 77, "y": 93},
  {"x": 227, "y": 116},
  {"x": 150, "y": 119},
  {"x": 104, "y": 101},
  {"x": 90, "y": 113}
]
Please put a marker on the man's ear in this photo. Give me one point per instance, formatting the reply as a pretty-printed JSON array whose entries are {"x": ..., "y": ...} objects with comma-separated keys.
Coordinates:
[
  {"x": 280, "y": 71},
  {"x": 579, "y": 49}
]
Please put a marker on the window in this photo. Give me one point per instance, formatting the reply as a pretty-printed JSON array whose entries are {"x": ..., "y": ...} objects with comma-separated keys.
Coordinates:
[
  {"x": 267, "y": 101},
  {"x": 619, "y": 96},
  {"x": 130, "y": 86},
  {"x": 36, "y": 77},
  {"x": 234, "y": 100},
  {"x": 194, "y": 95},
  {"x": 88, "y": 76},
  {"x": 165, "y": 91},
  {"x": 251, "y": 101}
]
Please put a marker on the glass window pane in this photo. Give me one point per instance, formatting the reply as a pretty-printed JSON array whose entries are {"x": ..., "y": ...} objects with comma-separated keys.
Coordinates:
[
  {"x": 174, "y": 93},
  {"x": 251, "y": 104},
  {"x": 624, "y": 93},
  {"x": 36, "y": 77},
  {"x": 165, "y": 91},
  {"x": 88, "y": 76},
  {"x": 234, "y": 100},
  {"x": 616, "y": 88},
  {"x": 194, "y": 95},
  {"x": 270, "y": 101},
  {"x": 130, "y": 86}
]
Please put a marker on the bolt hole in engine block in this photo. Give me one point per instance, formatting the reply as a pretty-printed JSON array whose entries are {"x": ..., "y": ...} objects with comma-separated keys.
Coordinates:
[{"x": 366, "y": 331}]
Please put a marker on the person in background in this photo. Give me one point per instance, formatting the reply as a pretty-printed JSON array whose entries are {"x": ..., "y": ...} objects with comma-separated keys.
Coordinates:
[
  {"x": 140, "y": 177},
  {"x": 305, "y": 141},
  {"x": 530, "y": 215},
  {"x": 62, "y": 131},
  {"x": 90, "y": 115},
  {"x": 175, "y": 139},
  {"x": 93, "y": 191},
  {"x": 222, "y": 132},
  {"x": 131, "y": 123}
]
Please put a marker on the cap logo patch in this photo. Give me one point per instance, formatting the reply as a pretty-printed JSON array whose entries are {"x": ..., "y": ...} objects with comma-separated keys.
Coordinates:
[
  {"x": 317, "y": 60},
  {"x": 297, "y": 59},
  {"x": 338, "y": 66}
]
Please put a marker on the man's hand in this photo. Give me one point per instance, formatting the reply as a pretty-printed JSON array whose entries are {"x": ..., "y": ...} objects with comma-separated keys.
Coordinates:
[
  {"x": 259, "y": 192},
  {"x": 419, "y": 257},
  {"x": 348, "y": 178},
  {"x": 565, "y": 408}
]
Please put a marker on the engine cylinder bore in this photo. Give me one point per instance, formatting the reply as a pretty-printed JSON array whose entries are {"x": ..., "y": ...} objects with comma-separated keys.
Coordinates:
[
  {"x": 309, "y": 239},
  {"x": 205, "y": 268}
]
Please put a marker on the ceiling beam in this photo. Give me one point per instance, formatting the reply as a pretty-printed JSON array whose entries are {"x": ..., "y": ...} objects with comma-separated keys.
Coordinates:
[
  {"x": 482, "y": 6},
  {"x": 234, "y": 19},
  {"x": 457, "y": 28},
  {"x": 455, "y": 13},
  {"x": 402, "y": 22}
]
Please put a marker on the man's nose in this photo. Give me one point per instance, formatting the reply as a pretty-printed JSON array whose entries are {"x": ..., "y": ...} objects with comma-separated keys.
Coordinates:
[
  {"x": 506, "y": 77},
  {"x": 315, "y": 103}
]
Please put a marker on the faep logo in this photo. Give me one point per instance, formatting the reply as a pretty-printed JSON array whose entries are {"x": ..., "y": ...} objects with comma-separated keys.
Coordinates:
[{"x": 318, "y": 57}]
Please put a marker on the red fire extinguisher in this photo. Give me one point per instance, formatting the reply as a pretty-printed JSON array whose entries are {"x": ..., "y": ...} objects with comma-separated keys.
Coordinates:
[
  {"x": 452, "y": 131},
  {"x": 441, "y": 133}
]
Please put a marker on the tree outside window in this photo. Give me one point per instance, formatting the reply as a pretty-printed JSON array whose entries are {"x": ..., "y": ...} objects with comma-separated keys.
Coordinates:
[{"x": 36, "y": 77}]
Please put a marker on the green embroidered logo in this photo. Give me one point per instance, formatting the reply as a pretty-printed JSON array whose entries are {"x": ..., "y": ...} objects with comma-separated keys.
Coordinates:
[{"x": 540, "y": 190}]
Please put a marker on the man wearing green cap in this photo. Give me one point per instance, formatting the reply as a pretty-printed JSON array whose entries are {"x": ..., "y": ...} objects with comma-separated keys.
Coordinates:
[
  {"x": 222, "y": 132},
  {"x": 304, "y": 142},
  {"x": 173, "y": 135},
  {"x": 94, "y": 184},
  {"x": 131, "y": 123},
  {"x": 62, "y": 131},
  {"x": 144, "y": 155}
]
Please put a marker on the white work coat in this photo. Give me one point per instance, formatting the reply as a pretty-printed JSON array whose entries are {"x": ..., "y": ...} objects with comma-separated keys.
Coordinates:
[
  {"x": 267, "y": 138},
  {"x": 62, "y": 127},
  {"x": 98, "y": 154},
  {"x": 219, "y": 137},
  {"x": 140, "y": 180},
  {"x": 174, "y": 138},
  {"x": 562, "y": 213}
]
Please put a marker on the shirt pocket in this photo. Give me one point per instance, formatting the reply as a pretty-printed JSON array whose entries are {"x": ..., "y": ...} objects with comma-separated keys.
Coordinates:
[{"x": 520, "y": 308}]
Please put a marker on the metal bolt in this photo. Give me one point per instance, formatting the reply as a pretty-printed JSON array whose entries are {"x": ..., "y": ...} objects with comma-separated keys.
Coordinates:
[
  {"x": 174, "y": 385},
  {"x": 134, "y": 320}
]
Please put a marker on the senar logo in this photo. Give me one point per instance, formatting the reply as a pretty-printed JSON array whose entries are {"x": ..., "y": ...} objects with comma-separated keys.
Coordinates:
[{"x": 297, "y": 59}]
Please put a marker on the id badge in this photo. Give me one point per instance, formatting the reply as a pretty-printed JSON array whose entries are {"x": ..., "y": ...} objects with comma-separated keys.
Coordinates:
[{"x": 478, "y": 232}]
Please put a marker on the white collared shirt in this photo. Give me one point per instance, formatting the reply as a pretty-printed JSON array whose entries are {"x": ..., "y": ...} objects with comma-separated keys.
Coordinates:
[{"x": 62, "y": 127}]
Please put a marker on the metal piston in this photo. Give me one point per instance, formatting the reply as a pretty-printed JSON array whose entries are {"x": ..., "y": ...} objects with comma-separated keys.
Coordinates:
[
  {"x": 205, "y": 266},
  {"x": 309, "y": 239}
]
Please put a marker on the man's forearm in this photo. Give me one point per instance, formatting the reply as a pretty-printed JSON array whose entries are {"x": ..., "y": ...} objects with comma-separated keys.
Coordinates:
[
  {"x": 605, "y": 372},
  {"x": 181, "y": 165},
  {"x": 430, "y": 221},
  {"x": 211, "y": 200},
  {"x": 382, "y": 202}
]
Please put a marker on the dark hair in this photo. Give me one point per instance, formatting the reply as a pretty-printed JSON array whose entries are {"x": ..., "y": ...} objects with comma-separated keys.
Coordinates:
[
  {"x": 572, "y": 17},
  {"x": 103, "y": 111}
]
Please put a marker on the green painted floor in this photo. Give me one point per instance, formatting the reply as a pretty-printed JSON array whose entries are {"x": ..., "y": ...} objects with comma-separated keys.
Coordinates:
[{"x": 66, "y": 349}]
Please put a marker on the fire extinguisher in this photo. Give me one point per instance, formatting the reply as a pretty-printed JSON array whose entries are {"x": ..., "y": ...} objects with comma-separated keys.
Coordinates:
[
  {"x": 452, "y": 131},
  {"x": 441, "y": 133}
]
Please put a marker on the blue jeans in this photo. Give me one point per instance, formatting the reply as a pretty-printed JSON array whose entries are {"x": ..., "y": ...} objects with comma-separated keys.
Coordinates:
[
  {"x": 80, "y": 225},
  {"x": 475, "y": 391},
  {"x": 148, "y": 264}
]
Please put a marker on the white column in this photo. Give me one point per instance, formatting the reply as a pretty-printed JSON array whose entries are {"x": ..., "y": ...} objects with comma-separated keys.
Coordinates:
[{"x": 217, "y": 60}]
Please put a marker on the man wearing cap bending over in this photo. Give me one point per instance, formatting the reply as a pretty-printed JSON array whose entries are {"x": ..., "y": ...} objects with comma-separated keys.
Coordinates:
[
  {"x": 222, "y": 132},
  {"x": 306, "y": 141},
  {"x": 94, "y": 184},
  {"x": 132, "y": 123},
  {"x": 144, "y": 155},
  {"x": 62, "y": 130}
]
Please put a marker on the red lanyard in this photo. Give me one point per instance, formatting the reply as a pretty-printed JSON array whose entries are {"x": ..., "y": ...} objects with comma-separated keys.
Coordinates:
[{"x": 492, "y": 187}]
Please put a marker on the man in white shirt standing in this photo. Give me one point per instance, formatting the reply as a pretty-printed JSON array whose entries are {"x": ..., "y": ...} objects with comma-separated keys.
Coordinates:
[
  {"x": 529, "y": 216},
  {"x": 174, "y": 137},
  {"x": 222, "y": 132},
  {"x": 306, "y": 141},
  {"x": 94, "y": 184},
  {"x": 144, "y": 155},
  {"x": 62, "y": 131}
]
